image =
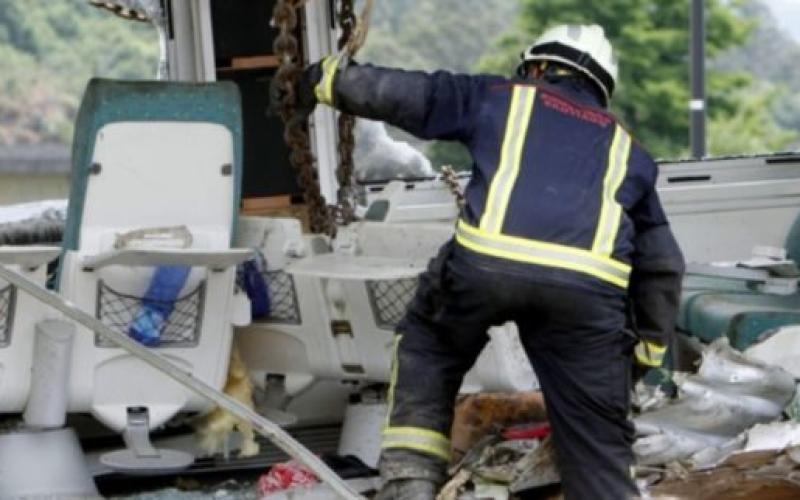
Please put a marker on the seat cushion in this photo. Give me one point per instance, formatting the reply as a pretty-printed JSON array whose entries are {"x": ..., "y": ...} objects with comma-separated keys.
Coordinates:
[{"x": 743, "y": 316}]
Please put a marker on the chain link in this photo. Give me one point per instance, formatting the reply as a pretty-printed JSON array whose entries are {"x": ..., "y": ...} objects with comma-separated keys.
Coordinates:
[
  {"x": 346, "y": 170},
  {"x": 287, "y": 48},
  {"x": 322, "y": 218},
  {"x": 450, "y": 179}
]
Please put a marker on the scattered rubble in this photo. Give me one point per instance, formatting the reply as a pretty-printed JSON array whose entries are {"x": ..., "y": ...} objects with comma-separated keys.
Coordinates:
[
  {"x": 476, "y": 415},
  {"x": 283, "y": 477},
  {"x": 753, "y": 475},
  {"x": 497, "y": 467},
  {"x": 721, "y": 438},
  {"x": 729, "y": 394},
  {"x": 781, "y": 348}
]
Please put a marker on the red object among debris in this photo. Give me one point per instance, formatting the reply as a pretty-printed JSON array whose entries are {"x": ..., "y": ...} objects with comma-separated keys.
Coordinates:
[
  {"x": 286, "y": 476},
  {"x": 538, "y": 431}
]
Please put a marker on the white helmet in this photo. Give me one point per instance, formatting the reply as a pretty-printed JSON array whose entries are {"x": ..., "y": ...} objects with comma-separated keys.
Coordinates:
[{"x": 583, "y": 47}]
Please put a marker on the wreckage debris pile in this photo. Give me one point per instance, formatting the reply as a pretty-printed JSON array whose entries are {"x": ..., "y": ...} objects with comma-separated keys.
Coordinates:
[
  {"x": 729, "y": 394},
  {"x": 726, "y": 435}
]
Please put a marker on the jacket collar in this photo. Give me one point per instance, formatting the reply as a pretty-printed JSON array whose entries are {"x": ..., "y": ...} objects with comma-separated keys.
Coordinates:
[{"x": 568, "y": 88}]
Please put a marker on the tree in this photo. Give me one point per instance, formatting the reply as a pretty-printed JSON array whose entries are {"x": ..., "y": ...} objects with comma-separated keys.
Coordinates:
[
  {"x": 436, "y": 34},
  {"x": 652, "y": 39},
  {"x": 402, "y": 35},
  {"x": 750, "y": 128},
  {"x": 771, "y": 55},
  {"x": 48, "y": 51}
]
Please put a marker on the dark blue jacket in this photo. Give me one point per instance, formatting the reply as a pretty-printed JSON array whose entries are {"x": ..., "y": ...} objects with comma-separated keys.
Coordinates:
[{"x": 560, "y": 192}]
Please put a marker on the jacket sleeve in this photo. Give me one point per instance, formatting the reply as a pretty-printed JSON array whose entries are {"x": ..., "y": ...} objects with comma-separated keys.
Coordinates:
[
  {"x": 657, "y": 274},
  {"x": 438, "y": 105}
]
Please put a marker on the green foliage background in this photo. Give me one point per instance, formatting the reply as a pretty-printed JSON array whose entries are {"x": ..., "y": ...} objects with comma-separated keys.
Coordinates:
[
  {"x": 48, "y": 51},
  {"x": 50, "y": 48},
  {"x": 748, "y": 109}
]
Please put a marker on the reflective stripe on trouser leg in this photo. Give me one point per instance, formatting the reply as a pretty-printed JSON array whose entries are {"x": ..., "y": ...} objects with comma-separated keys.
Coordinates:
[
  {"x": 440, "y": 342},
  {"x": 409, "y": 437},
  {"x": 417, "y": 439}
]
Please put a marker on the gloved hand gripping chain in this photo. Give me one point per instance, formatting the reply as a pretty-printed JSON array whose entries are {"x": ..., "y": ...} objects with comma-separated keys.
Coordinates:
[{"x": 323, "y": 218}]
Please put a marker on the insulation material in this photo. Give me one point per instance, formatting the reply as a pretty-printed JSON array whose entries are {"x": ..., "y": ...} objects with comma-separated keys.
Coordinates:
[
  {"x": 782, "y": 348},
  {"x": 774, "y": 436},
  {"x": 32, "y": 223},
  {"x": 729, "y": 394},
  {"x": 379, "y": 157}
]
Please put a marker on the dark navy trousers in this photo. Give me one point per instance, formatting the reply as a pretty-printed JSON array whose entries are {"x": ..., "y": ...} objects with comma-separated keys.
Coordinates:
[{"x": 576, "y": 340}]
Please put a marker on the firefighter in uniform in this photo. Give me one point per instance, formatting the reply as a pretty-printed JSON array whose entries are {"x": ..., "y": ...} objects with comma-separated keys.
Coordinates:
[{"x": 563, "y": 233}]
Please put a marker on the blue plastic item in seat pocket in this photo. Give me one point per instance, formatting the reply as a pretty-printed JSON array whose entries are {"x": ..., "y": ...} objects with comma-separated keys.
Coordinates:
[
  {"x": 253, "y": 282},
  {"x": 157, "y": 304}
]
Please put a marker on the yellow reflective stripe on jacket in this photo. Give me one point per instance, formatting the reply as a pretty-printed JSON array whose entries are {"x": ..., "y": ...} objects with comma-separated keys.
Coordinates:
[
  {"x": 419, "y": 439},
  {"x": 324, "y": 89},
  {"x": 611, "y": 210},
  {"x": 650, "y": 353},
  {"x": 519, "y": 117},
  {"x": 543, "y": 254}
]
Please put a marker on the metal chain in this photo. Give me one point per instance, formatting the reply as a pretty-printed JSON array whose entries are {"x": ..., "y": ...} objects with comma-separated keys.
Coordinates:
[
  {"x": 287, "y": 48},
  {"x": 346, "y": 169},
  {"x": 450, "y": 179},
  {"x": 323, "y": 218}
]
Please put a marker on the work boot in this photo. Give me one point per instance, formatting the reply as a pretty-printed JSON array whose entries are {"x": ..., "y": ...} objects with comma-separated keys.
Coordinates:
[{"x": 408, "y": 489}]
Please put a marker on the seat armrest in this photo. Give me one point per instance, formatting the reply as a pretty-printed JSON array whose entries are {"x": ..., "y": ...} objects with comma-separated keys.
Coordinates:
[
  {"x": 29, "y": 257},
  {"x": 733, "y": 273},
  {"x": 215, "y": 260},
  {"x": 358, "y": 268}
]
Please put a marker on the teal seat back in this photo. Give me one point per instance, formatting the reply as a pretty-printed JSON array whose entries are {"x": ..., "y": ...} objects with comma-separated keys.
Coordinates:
[{"x": 113, "y": 101}]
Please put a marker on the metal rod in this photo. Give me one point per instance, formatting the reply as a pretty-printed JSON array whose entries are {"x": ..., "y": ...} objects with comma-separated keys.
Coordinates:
[
  {"x": 263, "y": 426},
  {"x": 697, "y": 105}
]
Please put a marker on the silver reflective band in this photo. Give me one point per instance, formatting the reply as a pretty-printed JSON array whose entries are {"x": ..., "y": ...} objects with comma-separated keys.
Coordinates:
[{"x": 543, "y": 254}]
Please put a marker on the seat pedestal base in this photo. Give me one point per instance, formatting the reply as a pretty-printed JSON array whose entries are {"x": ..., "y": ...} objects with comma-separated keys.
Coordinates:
[
  {"x": 139, "y": 456},
  {"x": 46, "y": 464}
]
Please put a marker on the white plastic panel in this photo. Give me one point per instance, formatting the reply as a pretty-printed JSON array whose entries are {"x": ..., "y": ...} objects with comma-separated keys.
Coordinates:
[
  {"x": 16, "y": 356},
  {"x": 135, "y": 384},
  {"x": 157, "y": 174},
  {"x": 333, "y": 287},
  {"x": 720, "y": 210}
]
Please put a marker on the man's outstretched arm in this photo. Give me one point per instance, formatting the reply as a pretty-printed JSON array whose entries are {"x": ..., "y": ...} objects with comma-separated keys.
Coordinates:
[{"x": 438, "y": 105}]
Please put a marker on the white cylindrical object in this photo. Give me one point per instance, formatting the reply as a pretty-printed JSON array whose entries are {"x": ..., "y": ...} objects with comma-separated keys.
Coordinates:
[
  {"x": 48, "y": 464},
  {"x": 52, "y": 357},
  {"x": 361, "y": 433}
]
